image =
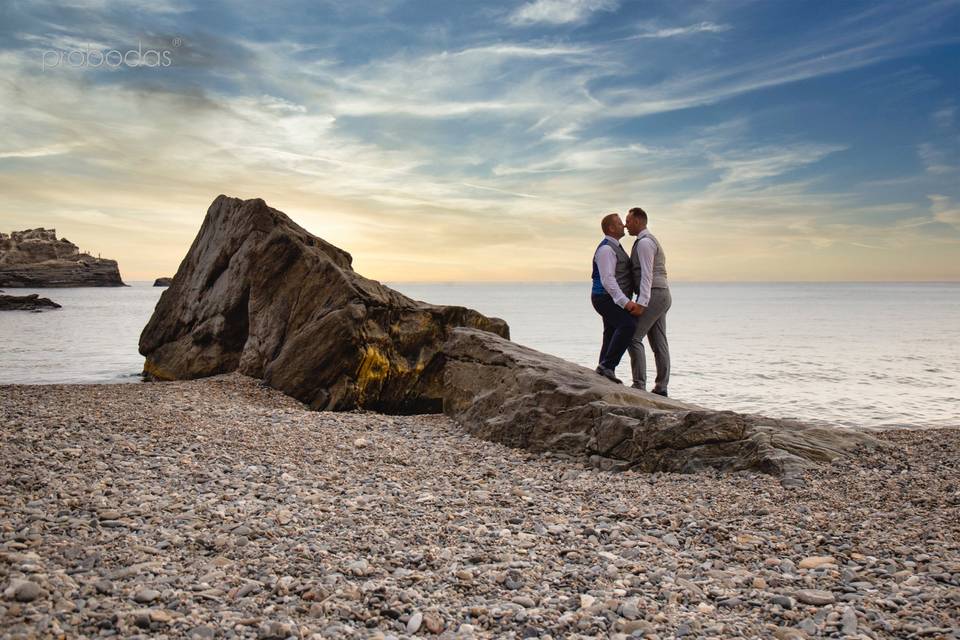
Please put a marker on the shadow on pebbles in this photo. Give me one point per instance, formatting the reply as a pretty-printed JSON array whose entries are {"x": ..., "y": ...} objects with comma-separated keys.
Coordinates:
[{"x": 218, "y": 509}]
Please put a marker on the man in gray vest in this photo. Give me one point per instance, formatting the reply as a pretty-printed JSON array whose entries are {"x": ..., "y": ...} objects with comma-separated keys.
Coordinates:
[
  {"x": 649, "y": 269},
  {"x": 610, "y": 295}
]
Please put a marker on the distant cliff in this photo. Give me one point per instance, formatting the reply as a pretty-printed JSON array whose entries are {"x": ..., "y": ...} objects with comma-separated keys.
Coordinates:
[{"x": 36, "y": 258}]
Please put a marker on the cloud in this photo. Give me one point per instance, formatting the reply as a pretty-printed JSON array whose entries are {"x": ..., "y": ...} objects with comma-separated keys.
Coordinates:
[
  {"x": 556, "y": 12},
  {"x": 38, "y": 152},
  {"x": 754, "y": 164},
  {"x": 700, "y": 27},
  {"x": 140, "y": 6},
  {"x": 936, "y": 160},
  {"x": 945, "y": 210},
  {"x": 944, "y": 118}
]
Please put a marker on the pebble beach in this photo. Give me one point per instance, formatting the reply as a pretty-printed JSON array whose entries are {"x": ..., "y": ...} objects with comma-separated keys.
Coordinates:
[{"x": 219, "y": 508}]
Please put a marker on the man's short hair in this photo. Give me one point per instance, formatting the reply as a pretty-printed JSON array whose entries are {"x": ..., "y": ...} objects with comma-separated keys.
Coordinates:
[
  {"x": 607, "y": 222},
  {"x": 637, "y": 212}
]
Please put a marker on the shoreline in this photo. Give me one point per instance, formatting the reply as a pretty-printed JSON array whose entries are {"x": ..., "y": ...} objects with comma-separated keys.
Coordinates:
[
  {"x": 218, "y": 507},
  {"x": 126, "y": 379}
]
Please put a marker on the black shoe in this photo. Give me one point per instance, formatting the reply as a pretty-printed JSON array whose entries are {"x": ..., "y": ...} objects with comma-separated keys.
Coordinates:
[
  {"x": 637, "y": 385},
  {"x": 661, "y": 392},
  {"x": 608, "y": 374}
]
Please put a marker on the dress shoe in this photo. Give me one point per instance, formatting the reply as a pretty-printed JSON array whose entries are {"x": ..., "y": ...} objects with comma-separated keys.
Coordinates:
[
  {"x": 661, "y": 392},
  {"x": 637, "y": 385},
  {"x": 608, "y": 374}
]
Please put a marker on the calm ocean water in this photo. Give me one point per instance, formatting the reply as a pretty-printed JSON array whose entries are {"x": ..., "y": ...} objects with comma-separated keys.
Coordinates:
[{"x": 874, "y": 355}]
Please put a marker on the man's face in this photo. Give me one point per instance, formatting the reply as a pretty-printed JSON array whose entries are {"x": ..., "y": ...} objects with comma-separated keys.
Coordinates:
[
  {"x": 616, "y": 228},
  {"x": 633, "y": 224}
]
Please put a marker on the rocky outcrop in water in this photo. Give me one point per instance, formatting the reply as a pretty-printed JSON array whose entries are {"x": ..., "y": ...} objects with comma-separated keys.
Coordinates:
[
  {"x": 162, "y": 282},
  {"x": 32, "y": 302},
  {"x": 36, "y": 258},
  {"x": 501, "y": 391},
  {"x": 259, "y": 294}
]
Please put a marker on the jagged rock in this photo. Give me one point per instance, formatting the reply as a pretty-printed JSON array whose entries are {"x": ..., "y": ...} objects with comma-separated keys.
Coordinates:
[
  {"x": 32, "y": 302},
  {"x": 259, "y": 294},
  {"x": 162, "y": 282},
  {"x": 507, "y": 393},
  {"x": 36, "y": 258}
]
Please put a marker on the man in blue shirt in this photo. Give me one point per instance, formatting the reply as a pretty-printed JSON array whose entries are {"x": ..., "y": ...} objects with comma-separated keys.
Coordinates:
[{"x": 610, "y": 295}]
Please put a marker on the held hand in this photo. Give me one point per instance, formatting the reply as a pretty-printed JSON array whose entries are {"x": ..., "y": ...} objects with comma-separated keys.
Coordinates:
[
  {"x": 637, "y": 310},
  {"x": 633, "y": 308}
]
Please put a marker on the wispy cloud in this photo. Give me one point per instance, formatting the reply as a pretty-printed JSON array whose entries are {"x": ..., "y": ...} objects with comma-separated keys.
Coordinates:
[
  {"x": 937, "y": 160},
  {"x": 750, "y": 165},
  {"x": 556, "y": 12},
  {"x": 944, "y": 118},
  {"x": 945, "y": 210},
  {"x": 38, "y": 152},
  {"x": 673, "y": 32}
]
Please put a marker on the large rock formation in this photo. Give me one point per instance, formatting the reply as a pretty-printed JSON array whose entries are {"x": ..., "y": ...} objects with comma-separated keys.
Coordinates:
[
  {"x": 259, "y": 294},
  {"x": 32, "y": 302},
  {"x": 162, "y": 282},
  {"x": 36, "y": 258},
  {"x": 501, "y": 391}
]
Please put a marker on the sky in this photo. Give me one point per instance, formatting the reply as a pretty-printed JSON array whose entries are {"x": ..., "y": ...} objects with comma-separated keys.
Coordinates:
[{"x": 768, "y": 140}]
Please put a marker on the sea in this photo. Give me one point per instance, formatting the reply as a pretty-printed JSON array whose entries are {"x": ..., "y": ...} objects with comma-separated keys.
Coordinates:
[{"x": 862, "y": 355}]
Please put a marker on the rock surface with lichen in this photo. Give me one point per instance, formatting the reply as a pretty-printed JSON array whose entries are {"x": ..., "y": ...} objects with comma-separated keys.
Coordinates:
[
  {"x": 258, "y": 294},
  {"x": 37, "y": 258}
]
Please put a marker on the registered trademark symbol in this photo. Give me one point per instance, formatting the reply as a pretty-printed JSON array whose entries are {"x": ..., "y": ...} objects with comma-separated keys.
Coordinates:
[{"x": 177, "y": 42}]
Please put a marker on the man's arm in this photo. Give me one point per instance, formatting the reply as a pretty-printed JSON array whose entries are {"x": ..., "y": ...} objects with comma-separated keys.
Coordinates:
[
  {"x": 607, "y": 264},
  {"x": 646, "y": 250}
]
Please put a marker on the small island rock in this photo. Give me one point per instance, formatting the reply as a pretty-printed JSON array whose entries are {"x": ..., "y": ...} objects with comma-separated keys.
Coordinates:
[
  {"x": 36, "y": 258},
  {"x": 31, "y": 302}
]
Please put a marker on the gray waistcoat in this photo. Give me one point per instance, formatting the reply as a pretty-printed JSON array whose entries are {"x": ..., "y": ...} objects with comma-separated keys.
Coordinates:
[
  {"x": 623, "y": 272},
  {"x": 659, "y": 267}
]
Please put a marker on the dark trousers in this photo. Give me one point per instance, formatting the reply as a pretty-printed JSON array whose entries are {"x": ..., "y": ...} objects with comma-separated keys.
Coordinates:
[{"x": 618, "y": 329}]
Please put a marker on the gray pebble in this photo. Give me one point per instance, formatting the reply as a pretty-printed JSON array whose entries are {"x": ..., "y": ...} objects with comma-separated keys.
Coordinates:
[{"x": 145, "y": 595}]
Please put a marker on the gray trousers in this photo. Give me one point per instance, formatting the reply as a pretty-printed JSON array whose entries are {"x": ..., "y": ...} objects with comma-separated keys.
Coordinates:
[{"x": 652, "y": 324}]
